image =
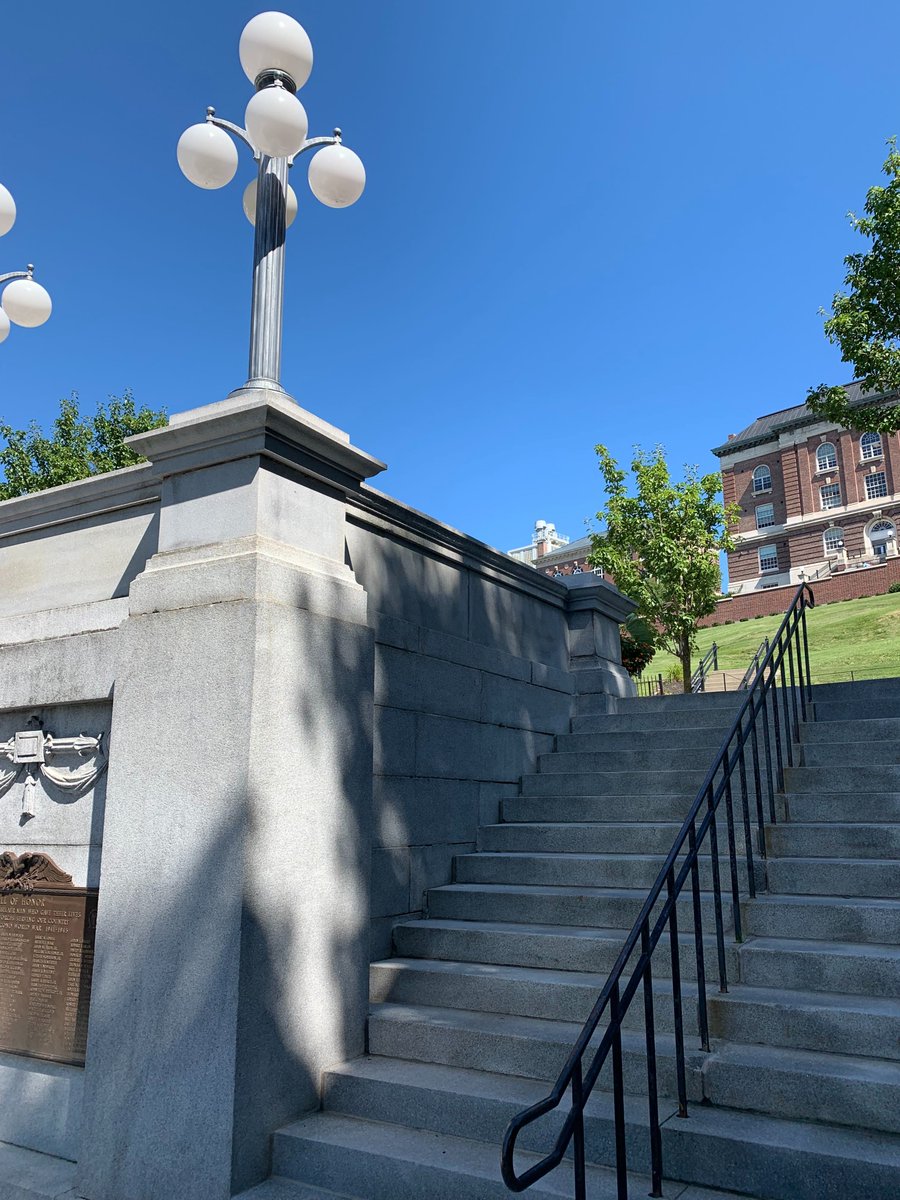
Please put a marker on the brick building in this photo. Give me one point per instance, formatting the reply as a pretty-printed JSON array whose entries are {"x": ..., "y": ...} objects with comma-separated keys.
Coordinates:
[
  {"x": 816, "y": 500},
  {"x": 554, "y": 555}
]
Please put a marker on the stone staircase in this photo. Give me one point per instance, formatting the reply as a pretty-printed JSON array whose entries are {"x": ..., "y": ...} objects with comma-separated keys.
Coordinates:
[{"x": 478, "y": 1010}]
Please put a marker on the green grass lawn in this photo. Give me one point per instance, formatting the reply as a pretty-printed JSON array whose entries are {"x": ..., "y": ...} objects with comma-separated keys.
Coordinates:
[{"x": 851, "y": 639}]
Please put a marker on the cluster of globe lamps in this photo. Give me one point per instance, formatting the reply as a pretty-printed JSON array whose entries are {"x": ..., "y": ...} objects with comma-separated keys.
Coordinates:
[
  {"x": 277, "y": 57},
  {"x": 23, "y": 301}
]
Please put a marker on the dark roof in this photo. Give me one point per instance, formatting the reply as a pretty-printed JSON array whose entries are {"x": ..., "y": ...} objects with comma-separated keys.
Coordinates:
[{"x": 768, "y": 427}]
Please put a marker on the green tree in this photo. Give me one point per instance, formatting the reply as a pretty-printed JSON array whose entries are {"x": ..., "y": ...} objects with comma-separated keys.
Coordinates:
[
  {"x": 865, "y": 320},
  {"x": 77, "y": 446},
  {"x": 662, "y": 545}
]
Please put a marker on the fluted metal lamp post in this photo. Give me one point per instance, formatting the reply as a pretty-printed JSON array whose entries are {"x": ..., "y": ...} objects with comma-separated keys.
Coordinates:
[
  {"x": 23, "y": 302},
  {"x": 277, "y": 57}
]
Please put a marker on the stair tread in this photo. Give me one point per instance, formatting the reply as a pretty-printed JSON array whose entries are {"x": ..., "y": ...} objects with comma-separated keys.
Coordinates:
[
  {"x": 281, "y": 1188},
  {"x": 461, "y": 1156},
  {"x": 809, "y": 1062},
  {"x": 769, "y": 898},
  {"x": 756, "y": 1128},
  {"x": 815, "y": 947},
  {"x": 587, "y": 932},
  {"x": 548, "y": 975},
  {"x": 543, "y": 889}
]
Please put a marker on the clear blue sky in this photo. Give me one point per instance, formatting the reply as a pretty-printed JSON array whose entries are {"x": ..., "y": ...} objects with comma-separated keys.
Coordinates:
[{"x": 584, "y": 221}]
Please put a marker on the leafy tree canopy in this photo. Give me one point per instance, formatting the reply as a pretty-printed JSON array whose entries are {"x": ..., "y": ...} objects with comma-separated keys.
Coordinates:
[
  {"x": 661, "y": 545},
  {"x": 78, "y": 446},
  {"x": 865, "y": 320}
]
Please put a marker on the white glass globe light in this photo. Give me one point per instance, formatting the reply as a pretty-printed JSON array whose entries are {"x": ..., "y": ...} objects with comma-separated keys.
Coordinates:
[
  {"x": 26, "y": 303},
  {"x": 290, "y": 207},
  {"x": 207, "y": 156},
  {"x": 337, "y": 176},
  {"x": 273, "y": 41},
  {"x": 4, "y": 326},
  {"x": 7, "y": 212},
  {"x": 276, "y": 122}
]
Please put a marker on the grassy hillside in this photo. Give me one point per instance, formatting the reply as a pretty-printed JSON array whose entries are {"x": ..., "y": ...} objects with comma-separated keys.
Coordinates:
[{"x": 858, "y": 636}]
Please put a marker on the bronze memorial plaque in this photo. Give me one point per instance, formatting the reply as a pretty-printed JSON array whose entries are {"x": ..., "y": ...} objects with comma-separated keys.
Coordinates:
[{"x": 46, "y": 957}]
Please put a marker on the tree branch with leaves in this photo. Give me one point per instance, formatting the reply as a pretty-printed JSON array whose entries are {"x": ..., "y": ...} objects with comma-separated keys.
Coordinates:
[
  {"x": 77, "y": 447},
  {"x": 865, "y": 320},
  {"x": 662, "y": 544}
]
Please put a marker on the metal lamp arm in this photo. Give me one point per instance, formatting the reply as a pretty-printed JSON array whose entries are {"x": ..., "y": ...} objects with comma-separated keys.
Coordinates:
[
  {"x": 234, "y": 130},
  {"x": 315, "y": 143},
  {"x": 17, "y": 275}
]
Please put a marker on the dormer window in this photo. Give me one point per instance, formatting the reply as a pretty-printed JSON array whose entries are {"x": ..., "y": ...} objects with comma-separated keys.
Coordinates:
[
  {"x": 826, "y": 457},
  {"x": 762, "y": 480}
]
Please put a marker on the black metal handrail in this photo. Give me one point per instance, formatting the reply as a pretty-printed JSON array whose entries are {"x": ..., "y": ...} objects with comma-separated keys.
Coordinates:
[
  {"x": 709, "y": 662},
  {"x": 778, "y": 699},
  {"x": 750, "y": 673}
]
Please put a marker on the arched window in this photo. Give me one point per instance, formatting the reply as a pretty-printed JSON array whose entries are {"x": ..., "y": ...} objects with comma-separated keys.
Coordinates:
[
  {"x": 881, "y": 535},
  {"x": 762, "y": 480},
  {"x": 826, "y": 457},
  {"x": 834, "y": 540},
  {"x": 870, "y": 445}
]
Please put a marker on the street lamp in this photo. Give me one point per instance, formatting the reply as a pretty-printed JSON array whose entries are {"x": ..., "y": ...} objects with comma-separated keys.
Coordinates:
[
  {"x": 23, "y": 302},
  {"x": 277, "y": 57}
]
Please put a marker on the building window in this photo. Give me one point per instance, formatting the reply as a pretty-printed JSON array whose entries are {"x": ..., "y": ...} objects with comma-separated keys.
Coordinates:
[
  {"x": 762, "y": 480},
  {"x": 768, "y": 558},
  {"x": 826, "y": 457},
  {"x": 870, "y": 445},
  {"x": 831, "y": 495},
  {"x": 834, "y": 540},
  {"x": 765, "y": 515},
  {"x": 876, "y": 485}
]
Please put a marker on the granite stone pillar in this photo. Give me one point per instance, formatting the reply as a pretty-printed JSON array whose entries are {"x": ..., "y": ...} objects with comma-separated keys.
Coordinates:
[
  {"x": 232, "y": 939},
  {"x": 594, "y": 611}
]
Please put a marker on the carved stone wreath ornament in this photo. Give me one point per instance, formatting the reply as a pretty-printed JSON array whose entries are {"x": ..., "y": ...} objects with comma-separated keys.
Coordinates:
[{"x": 34, "y": 750}]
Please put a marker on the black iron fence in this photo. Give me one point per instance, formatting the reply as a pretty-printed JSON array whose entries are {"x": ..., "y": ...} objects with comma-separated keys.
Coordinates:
[{"x": 739, "y": 791}]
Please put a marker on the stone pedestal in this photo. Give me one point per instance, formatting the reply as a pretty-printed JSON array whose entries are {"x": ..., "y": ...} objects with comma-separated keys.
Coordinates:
[
  {"x": 594, "y": 611},
  {"x": 231, "y": 954}
]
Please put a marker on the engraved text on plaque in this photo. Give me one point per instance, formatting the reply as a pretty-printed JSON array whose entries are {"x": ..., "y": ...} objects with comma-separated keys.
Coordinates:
[{"x": 46, "y": 958}]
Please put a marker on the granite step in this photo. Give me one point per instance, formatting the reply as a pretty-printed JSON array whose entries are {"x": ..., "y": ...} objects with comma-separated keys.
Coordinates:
[
  {"x": 876, "y": 729},
  {"x": 859, "y": 781},
  {"x": 593, "y": 870},
  {"x": 518, "y": 991},
  {"x": 588, "y": 717},
  {"x": 768, "y": 1158},
  {"x": 825, "y": 918},
  {"x": 572, "y": 837},
  {"x": 857, "y": 710},
  {"x": 831, "y": 839},
  {"x": 863, "y": 1026},
  {"x": 835, "y": 876},
  {"x": 829, "y": 805},
  {"x": 280, "y": 1188},
  {"x": 868, "y": 969},
  {"x": 533, "y": 1047},
  {"x": 705, "y": 740},
  {"x": 394, "y": 1162},
  {"x": 562, "y": 947},
  {"x": 618, "y": 783},
  {"x": 605, "y": 908},
  {"x": 629, "y": 808},
  {"x": 837, "y": 1089},
  {"x": 865, "y": 750}
]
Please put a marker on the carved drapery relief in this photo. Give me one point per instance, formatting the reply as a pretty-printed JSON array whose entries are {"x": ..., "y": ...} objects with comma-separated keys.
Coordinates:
[{"x": 39, "y": 752}]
